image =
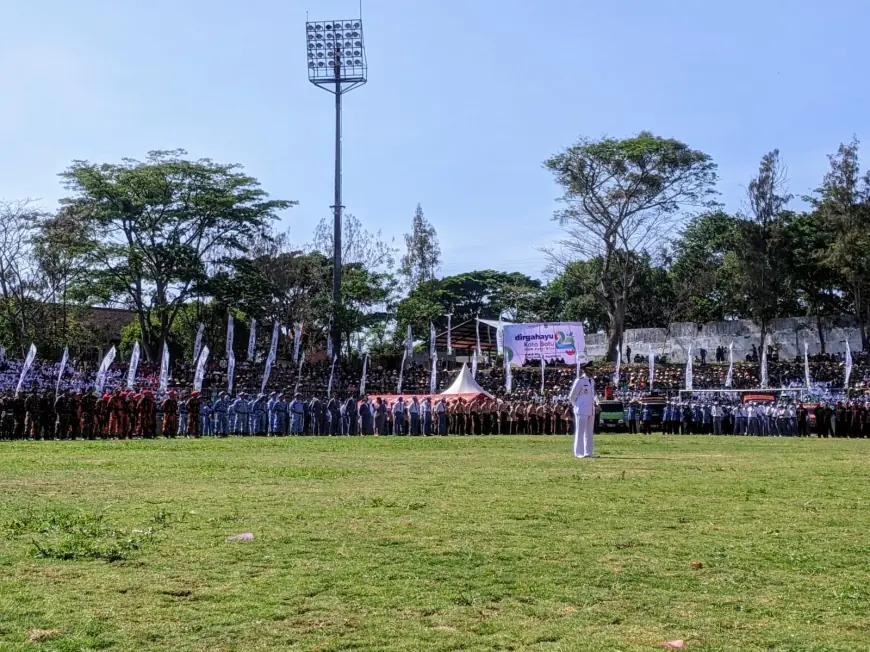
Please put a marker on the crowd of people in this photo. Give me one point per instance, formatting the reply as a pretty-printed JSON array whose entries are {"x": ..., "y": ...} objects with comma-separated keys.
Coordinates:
[{"x": 321, "y": 398}]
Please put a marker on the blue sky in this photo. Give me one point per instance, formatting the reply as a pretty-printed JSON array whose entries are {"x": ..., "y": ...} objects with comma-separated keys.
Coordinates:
[{"x": 464, "y": 102}]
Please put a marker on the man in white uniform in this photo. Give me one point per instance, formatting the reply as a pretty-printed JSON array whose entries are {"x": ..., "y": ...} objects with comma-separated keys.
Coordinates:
[{"x": 582, "y": 397}]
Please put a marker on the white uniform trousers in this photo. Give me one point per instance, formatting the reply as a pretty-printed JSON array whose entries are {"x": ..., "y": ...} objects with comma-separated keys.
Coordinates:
[{"x": 583, "y": 429}]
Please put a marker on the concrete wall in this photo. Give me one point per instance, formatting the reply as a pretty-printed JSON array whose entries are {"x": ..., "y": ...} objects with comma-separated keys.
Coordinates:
[{"x": 789, "y": 334}]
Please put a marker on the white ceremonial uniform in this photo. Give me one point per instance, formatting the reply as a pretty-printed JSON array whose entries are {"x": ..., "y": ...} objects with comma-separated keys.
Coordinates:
[{"x": 582, "y": 397}]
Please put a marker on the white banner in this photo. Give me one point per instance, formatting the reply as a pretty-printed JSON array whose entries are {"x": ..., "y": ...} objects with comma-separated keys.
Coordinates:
[
  {"x": 164, "y": 369},
  {"x": 231, "y": 334},
  {"x": 28, "y": 363},
  {"x": 134, "y": 365},
  {"x": 231, "y": 370},
  {"x": 848, "y": 365},
  {"x": 200, "y": 369},
  {"x": 297, "y": 342},
  {"x": 449, "y": 334},
  {"x": 299, "y": 374},
  {"x": 689, "y": 361},
  {"x": 477, "y": 349},
  {"x": 362, "y": 382},
  {"x": 104, "y": 368},
  {"x": 729, "y": 379},
  {"x": 433, "y": 379},
  {"x": 618, "y": 368},
  {"x": 331, "y": 375},
  {"x": 270, "y": 359},
  {"x": 807, "y": 378},
  {"x": 508, "y": 378},
  {"x": 252, "y": 340},
  {"x": 474, "y": 365},
  {"x": 402, "y": 372},
  {"x": 764, "y": 380},
  {"x": 499, "y": 336},
  {"x": 63, "y": 361},
  {"x": 409, "y": 342},
  {"x": 543, "y": 375},
  {"x": 329, "y": 352},
  {"x": 432, "y": 352},
  {"x": 197, "y": 345},
  {"x": 652, "y": 368},
  {"x": 563, "y": 341}
]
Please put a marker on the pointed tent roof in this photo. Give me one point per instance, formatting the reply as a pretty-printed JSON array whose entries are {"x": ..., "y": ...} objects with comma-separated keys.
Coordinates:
[{"x": 465, "y": 384}]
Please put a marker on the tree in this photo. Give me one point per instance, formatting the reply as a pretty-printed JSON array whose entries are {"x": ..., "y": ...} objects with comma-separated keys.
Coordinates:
[
  {"x": 843, "y": 204},
  {"x": 422, "y": 259},
  {"x": 19, "y": 224},
  {"x": 359, "y": 246},
  {"x": 156, "y": 223},
  {"x": 621, "y": 197}
]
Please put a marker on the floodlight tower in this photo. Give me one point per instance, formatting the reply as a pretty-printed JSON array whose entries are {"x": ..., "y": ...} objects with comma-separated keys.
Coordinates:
[{"x": 336, "y": 63}]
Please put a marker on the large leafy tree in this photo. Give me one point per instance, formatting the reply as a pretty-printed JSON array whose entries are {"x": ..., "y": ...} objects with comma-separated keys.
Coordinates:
[
  {"x": 157, "y": 223},
  {"x": 623, "y": 197},
  {"x": 422, "y": 257}
]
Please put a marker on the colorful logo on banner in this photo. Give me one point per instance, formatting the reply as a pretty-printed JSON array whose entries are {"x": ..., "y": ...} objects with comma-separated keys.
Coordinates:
[{"x": 565, "y": 342}]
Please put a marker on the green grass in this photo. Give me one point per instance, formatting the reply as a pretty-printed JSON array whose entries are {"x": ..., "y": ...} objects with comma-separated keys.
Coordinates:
[{"x": 435, "y": 544}]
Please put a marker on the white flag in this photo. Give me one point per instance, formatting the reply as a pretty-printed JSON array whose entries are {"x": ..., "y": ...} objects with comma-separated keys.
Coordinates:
[
  {"x": 28, "y": 363},
  {"x": 764, "y": 380},
  {"x": 477, "y": 338},
  {"x": 331, "y": 375},
  {"x": 433, "y": 379},
  {"x": 197, "y": 345},
  {"x": 273, "y": 354},
  {"x": 402, "y": 372},
  {"x": 231, "y": 370},
  {"x": 543, "y": 367},
  {"x": 729, "y": 379},
  {"x": 807, "y": 378},
  {"x": 297, "y": 342},
  {"x": 848, "y": 365},
  {"x": 474, "y": 365},
  {"x": 689, "y": 361},
  {"x": 62, "y": 368},
  {"x": 134, "y": 365},
  {"x": 508, "y": 378},
  {"x": 449, "y": 335},
  {"x": 652, "y": 368},
  {"x": 409, "y": 342},
  {"x": 618, "y": 368},
  {"x": 200, "y": 368},
  {"x": 329, "y": 351},
  {"x": 432, "y": 351},
  {"x": 252, "y": 340},
  {"x": 362, "y": 382},
  {"x": 164, "y": 369},
  {"x": 299, "y": 375},
  {"x": 231, "y": 327},
  {"x": 104, "y": 368},
  {"x": 499, "y": 336}
]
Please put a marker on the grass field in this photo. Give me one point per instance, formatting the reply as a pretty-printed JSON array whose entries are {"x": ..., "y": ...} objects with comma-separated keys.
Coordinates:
[{"x": 435, "y": 544}]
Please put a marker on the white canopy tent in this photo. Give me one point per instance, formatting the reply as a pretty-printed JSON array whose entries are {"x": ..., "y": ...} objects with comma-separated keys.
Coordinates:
[{"x": 465, "y": 384}]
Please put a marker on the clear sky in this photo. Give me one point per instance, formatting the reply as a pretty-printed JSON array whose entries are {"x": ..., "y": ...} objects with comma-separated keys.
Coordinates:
[{"x": 465, "y": 99}]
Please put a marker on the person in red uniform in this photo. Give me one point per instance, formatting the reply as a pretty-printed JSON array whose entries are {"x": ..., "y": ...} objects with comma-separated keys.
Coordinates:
[
  {"x": 170, "y": 415},
  {"x": 193, "y": 414},
  {"x": 147, "y": 411}
]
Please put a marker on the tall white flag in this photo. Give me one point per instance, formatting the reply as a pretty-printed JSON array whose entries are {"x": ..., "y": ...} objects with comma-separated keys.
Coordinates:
[
  {"x": 543, "y": 377},
  {"x": 508, "y": 377},
  {"x": 618, "y": 368},
  {"x": 402, "y": 372},
  {"x": 474, "y": 365},
  {"x": 134, "y": 365},
  {"x": 231, "y": 370},
  {"x": 807, "y": 379},
  {"x": 499, "y": 336},
  {"x": 409, "y": 342},
  {"x": 231, "y": 328},
  {"x": 197, "y": 345},
  {"x": 252, "y": 340},
  {"x": 729, "y": 379},
  {"x": 433, "y": 379},
  {"x": 362, "y": 382},
  {"x": 477, "y": 338},
  {"x": 848, "y": 365},
  {"x": 652, "y": 368},
  {"x": 28, "y": 363},
  {"x": 330, "y": 353},
  {"x": 689, "y": 362},
  {"x": 331, "y": 375},
  {"x": 764, "y": 381},
  {"x": 164, "y": 369},
  {"x": 100, "y": 383},
  {"x": 432, "y": 350},
  {"x": 449, "y": 334},
  {"x": 273, "y": 354},
  {"x": 63, "y": 361},
  {"x": 200, "y": 369},
  {"x": 299, "y": 374},
  {"x": 297, "y": 342}
]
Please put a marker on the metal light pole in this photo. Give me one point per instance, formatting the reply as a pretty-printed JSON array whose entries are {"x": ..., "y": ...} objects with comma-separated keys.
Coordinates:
[{"x": 336, "y": 63}]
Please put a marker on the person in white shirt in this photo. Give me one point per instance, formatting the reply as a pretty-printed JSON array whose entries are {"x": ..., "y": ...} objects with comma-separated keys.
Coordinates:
[
  {"x": 582, "y": 397},
  {"x": 716, "y": 414}
]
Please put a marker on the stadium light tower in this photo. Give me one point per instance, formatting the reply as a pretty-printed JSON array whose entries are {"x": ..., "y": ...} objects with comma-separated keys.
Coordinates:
[{"x": 336, "y": 63}]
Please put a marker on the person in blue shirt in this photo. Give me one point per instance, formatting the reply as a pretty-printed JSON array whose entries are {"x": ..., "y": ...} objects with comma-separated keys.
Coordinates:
[
  {"x": 646, "y": 420},
  {"x": 297, "y": 415},
  {"x": 629, "y": 419},
  {"x": 221, "y": 410}
]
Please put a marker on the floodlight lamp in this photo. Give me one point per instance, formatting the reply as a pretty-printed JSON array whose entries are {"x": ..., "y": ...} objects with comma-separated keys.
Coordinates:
[
  {"x": 356, "y": 53},
  {"x": 338, "y": 26},
  {"x": 356, "y": 25},
  {"x": 347, "y": 25},
  {"x": 311, "y": 64},
  {"x": 358, "y": 44},
  {"x": 329, "y": 27},
  {"x": 354, "y": 34},
  {"x": 358, "y": 62},
  {"x": 318, "y": 28}
]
